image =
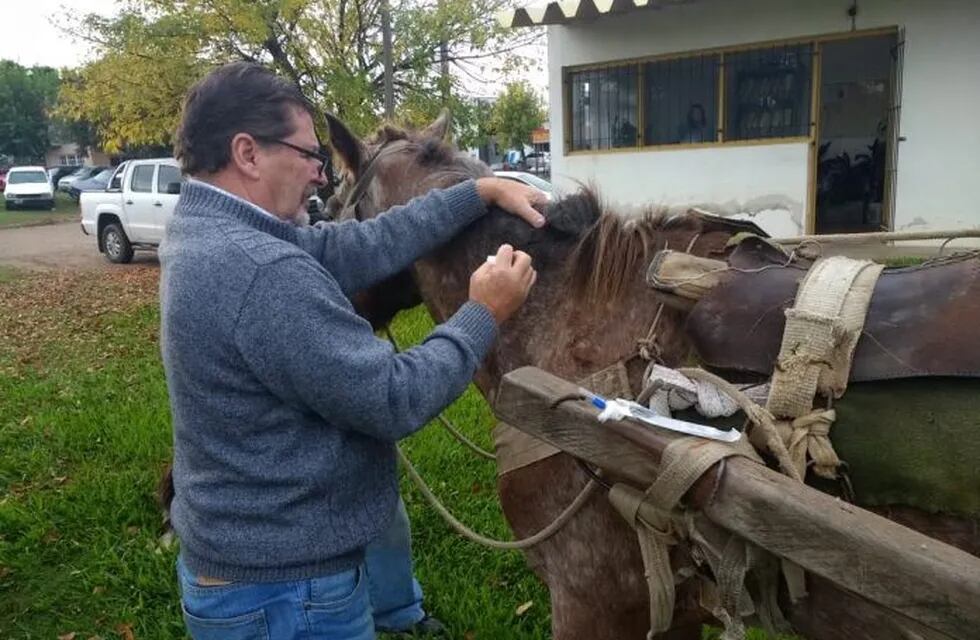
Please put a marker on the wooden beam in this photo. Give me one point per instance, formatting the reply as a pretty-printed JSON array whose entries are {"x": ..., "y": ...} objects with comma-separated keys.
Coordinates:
[
  {"x": 895, "y": 567},
  {"x": 880, "y": 237}
]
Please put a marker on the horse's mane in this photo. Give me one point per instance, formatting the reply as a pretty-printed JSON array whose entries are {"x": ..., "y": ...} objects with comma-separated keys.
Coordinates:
[{"x": 612, "y": 248}]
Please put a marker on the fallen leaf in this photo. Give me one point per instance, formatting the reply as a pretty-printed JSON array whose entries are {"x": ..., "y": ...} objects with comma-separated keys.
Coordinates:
[
  {"x": 125, "y": 631},
  {"x": 521, "y": 610},
  {"x": 98, "y": 590},
  {"x": 132, "y": 530},
  {"x": 167, "y": 540},
  {"x": 469, "y": 635},
  {"x": 67, "y": 636}
]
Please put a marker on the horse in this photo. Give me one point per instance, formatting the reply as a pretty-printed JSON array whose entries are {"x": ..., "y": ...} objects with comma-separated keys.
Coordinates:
[
  {"x": 597, "y": 587},
  {"x": 590, "y": 309}
]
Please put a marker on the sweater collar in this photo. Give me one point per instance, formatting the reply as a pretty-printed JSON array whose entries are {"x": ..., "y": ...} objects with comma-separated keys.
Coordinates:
[{"x": 200, "y": 199}]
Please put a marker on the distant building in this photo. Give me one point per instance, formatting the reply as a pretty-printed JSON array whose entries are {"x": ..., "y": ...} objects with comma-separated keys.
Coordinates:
[
  {"x": 70, "y": 154},
  {"x": 809, "y": 116}
]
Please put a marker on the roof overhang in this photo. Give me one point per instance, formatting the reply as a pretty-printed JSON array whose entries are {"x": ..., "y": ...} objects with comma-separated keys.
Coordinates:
[{"x": 566, "y": 11}]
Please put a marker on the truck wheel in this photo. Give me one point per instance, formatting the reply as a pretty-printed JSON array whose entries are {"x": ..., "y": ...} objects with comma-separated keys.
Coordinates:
[{"x": 116, "y": 244}]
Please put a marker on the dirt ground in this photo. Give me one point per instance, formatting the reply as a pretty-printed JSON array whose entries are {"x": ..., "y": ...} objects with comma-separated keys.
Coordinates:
[{"x": 55, "y": 247}]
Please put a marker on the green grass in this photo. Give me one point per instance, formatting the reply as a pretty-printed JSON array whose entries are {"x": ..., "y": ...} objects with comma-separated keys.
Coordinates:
[
  {"x": 65, "y": 210},
  {"x": 85, "y": 432},
  {"x": 8, "y": 273},
  {"x": 903, "y": 261}
]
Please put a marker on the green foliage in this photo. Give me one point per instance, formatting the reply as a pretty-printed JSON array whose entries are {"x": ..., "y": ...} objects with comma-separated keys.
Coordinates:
[
  {"x": 131, "y": 95},
  {"x": 332, "y": 49},
  {"x": 517, "y": 112},
  {"x": 26, "y": 95}
]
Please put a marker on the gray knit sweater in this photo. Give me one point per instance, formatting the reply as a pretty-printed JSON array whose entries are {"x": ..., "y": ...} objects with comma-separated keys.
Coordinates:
[{"x": 286, "y": 406}]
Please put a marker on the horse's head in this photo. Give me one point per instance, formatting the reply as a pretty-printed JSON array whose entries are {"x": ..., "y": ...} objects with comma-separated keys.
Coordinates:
[{"x": 395, "y": 165}]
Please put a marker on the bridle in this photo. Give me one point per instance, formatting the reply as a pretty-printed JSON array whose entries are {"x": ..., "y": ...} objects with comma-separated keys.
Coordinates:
[{"x": 350, "y": 208}]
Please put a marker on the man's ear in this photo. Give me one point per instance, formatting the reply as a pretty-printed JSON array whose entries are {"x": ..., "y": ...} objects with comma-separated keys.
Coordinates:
[{"x": 244, "y": 151}]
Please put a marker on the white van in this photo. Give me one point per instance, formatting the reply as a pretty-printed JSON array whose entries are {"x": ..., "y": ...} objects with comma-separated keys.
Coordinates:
[{"x": 28, "y": 187}]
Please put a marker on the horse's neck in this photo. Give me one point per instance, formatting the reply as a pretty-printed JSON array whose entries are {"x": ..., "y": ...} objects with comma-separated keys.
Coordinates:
[{"x": 553, "y": 330}]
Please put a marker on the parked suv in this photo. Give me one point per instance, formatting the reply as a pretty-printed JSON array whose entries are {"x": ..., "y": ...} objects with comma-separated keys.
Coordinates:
[{"x": 28, "y": 187}]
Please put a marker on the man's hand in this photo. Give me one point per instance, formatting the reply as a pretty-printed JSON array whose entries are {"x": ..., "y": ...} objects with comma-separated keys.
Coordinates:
[
  {"x": 503, "y": 285},
  {"x": 513, "y": 197}
]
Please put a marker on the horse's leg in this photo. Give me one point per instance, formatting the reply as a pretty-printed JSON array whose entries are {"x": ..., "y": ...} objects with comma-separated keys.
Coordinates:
[{"x": 593, "y": 566}]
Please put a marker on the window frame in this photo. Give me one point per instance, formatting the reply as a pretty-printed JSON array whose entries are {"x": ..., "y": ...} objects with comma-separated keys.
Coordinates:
[{"x": 721, "y": 109}]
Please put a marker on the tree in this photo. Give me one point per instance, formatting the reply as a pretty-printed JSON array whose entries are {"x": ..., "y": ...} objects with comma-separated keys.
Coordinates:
[
  {"x": 517, "y": 112},
  {"x": 331, "y": 49},
  {"x": 26, "y": 97}
]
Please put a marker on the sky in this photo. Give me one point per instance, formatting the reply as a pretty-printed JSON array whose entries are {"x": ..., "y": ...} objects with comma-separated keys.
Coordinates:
[{"x": 31, "y": 39}]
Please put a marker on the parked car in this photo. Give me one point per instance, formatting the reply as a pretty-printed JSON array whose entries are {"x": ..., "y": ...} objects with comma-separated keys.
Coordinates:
[
  {"x": 528, "y": 179},
  {"x": 3, "y": 179},
  {"x": 83, "y": 173},
  {"x": 98, "y": 182},
  {"x": 28, "y": 187},
  {"x": 538, "y": 162},
  {"x": 513, "y": 161},
  {"x": 58, "y": 172},
  {"x": 134, "y": 208}
]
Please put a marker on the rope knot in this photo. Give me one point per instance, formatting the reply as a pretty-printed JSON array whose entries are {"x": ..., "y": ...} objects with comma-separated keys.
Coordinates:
[{"x": 809, "y": 435}]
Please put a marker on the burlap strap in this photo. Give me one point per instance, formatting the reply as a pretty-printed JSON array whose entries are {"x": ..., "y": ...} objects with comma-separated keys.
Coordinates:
[
  {"x": 652, "y": 513},
  {"x": 822, "y": 331}
]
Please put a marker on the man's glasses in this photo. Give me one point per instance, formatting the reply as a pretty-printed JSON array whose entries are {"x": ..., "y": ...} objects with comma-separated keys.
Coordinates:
[{"x": 309, "y": 153}]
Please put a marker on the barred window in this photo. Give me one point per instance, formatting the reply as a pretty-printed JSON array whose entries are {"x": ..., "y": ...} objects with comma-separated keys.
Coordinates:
[
  {"x": 681, "y": 100},
  {"x": 768, "y": 92},
  {"x": 604, "y": 108}
]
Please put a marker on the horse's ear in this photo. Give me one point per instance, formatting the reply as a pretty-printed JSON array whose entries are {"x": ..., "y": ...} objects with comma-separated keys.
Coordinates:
[
  {"x": 346, "y": 145},
  {"x": 440, "y": 128}
]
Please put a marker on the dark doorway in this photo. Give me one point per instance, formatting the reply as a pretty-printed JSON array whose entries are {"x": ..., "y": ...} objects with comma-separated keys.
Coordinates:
[{"x": 856, "y": 127}]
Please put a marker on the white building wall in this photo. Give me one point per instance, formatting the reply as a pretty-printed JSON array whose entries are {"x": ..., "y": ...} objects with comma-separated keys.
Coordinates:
[{"x": 938, "y": 161}]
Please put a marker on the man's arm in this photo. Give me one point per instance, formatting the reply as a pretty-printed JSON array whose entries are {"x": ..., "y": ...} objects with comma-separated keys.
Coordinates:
[
  {"x": 360, "y": 254},
  {"x": 302, "y": 339}
]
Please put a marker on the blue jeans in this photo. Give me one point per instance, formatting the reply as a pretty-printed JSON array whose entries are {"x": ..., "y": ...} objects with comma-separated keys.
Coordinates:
[
  {"x": 334, "y": 607},
  {"x": 396, "y": 596}
]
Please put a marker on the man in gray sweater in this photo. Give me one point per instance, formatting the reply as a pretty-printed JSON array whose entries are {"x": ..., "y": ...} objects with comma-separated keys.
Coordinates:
[{"x": 280, "y": 482}]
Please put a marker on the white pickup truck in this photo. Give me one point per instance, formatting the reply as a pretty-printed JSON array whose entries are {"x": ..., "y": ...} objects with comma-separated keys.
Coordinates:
[{"x": 133, "y": 210}]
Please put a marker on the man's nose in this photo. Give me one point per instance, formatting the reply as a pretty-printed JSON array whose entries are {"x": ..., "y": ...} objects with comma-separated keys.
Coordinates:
[{"x": 320, "y": 179}]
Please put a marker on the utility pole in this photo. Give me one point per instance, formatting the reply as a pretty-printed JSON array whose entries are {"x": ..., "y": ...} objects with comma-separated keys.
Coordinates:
[{"x": 386, "y": 54}]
